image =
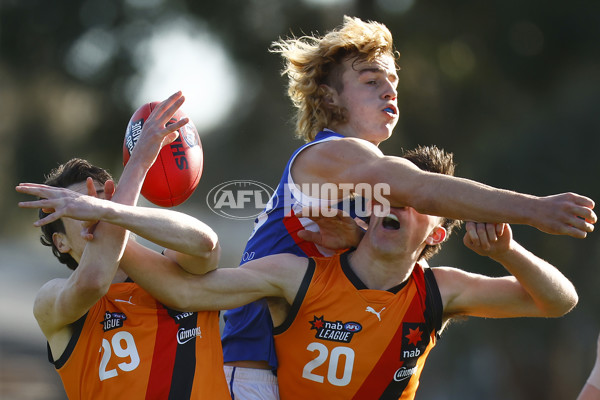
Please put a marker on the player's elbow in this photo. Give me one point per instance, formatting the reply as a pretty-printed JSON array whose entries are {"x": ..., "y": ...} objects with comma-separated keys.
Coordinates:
[
  {"x": 93, "y": 285},
  {"x": 208, "y": 242},
  {"x": 564, "y": 302},
  {"x": 178, "y": 303},
  {"x": 184, "y": 299}
]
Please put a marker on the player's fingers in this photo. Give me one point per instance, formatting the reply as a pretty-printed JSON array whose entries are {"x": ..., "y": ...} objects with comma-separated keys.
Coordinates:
[
  {"x": 172, "y": 109},
  {"x": 161, "y": 107},
  {"x": 583, "y": 201},
  {"x": 573, "y": 232},
  {"x": 176, "y": 125},
  {"x": 168, "y": 108},
  {"x": 471, "y": 233},
  {"x": 87, "y": 232},
  {"x": 44, "y": 204},
  {"x": 91, "y": 189},
  {"x": 109, "y": 189},
  {"x": 48, "y": 219},
  {"x": 491, "y": 232},
  {"x": 34, "y": 190},
  {"x": 88, "y": 237},
  {"x": 587, "y": 214},
  {"x": 26, "y": 188},
  {"x": 500, "y": 229},
  {"x": 171, "y": 131},
  {"x": 581, "y": 224},
  {"x": 483, "y": 238},
  {"x": 309, "y": 236}
]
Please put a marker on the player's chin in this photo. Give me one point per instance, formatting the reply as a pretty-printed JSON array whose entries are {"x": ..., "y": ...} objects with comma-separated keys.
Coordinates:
[{"x": 386, "y": 132}]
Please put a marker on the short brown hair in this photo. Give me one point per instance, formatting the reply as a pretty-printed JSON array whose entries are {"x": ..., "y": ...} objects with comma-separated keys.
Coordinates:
[
  {"x": 434, "y": 159},
  {"x": 73, "y": 171}
]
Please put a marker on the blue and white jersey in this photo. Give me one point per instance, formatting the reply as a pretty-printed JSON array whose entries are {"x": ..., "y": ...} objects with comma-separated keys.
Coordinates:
[{"x": 248, "y": 330}]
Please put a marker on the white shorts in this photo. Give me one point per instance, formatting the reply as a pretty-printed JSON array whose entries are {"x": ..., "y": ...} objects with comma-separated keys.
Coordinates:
[{"x": 251, "y": 383}]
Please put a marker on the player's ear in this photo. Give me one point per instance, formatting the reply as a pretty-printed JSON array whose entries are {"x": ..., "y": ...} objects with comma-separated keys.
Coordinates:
[
  {"x": 328, "y": 94},
  {"x": 437, "y": 236},
  {"x": 61, "y": 242}
]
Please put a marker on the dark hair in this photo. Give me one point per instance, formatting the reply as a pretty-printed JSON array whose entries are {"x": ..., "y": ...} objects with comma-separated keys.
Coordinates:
[
  {"x": 73, "y": 171},
  {"x": 434, "y": 159}
]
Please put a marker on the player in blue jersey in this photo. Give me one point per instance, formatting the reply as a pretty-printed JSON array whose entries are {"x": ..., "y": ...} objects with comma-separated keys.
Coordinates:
[{"x": 344, "y": 87}]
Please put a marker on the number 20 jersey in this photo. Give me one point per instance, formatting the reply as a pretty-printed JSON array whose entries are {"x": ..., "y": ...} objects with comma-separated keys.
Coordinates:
[
  {"x": 344, "y": 341},
  {"x": 129, "y": 346}
]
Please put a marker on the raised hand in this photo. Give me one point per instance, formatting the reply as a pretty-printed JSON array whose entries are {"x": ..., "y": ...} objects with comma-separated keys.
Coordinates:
[
  {"x": 61, "y": 202},
  {"x": 156, "y": 132},
  {"x": 335, "y": 233},
  {"x": 487, "y": 239},
  {"x": 565, "y": 214}
]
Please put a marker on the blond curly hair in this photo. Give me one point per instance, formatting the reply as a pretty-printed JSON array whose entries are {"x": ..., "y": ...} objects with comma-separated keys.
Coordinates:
[{"x": 311, "y": 61}]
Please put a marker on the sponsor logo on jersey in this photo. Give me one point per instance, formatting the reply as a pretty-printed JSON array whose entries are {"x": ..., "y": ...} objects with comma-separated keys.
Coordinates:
[
  {"x": 374, "y": 312},
  {"x": 113, "y": 321},
  {"x": 414, "y": 340},
  {"x": 185, "y": 335},
  {"x": 337, "y": 331},
  {"x": 180, "y": 316},
  {"x": 403, "y": 373}
]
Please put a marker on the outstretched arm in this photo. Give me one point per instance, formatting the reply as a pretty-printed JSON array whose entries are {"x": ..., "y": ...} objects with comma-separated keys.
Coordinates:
[
  {"x": 188, "y": 241},
  {"x": 357, "y": 161},
  {"x": 535, "y": 288},
  {"x": 272, "y": 276},
  {"x": 337, "y": 233}
]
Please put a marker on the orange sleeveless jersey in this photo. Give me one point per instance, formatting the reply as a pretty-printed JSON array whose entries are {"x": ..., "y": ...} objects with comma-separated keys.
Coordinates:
[
  {"x": 129, "y": 346},
  {"x": 344, "y": 341}
]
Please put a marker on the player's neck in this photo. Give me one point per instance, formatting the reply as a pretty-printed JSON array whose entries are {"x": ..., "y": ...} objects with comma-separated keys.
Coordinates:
[{"x": 379, "y": 273}]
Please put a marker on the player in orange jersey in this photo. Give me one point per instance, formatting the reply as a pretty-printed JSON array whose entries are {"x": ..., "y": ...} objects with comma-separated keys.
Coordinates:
[
  {"x": 107, "y": 337},
  {"x": 360, "y": 324}
]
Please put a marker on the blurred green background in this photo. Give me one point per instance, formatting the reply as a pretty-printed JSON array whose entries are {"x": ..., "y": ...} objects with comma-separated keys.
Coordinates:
[{"x": 510, "y": 87}]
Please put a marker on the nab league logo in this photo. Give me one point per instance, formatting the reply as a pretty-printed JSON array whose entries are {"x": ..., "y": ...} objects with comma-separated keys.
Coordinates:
[
  {"x": 337, "y": 331},
  {"x": 113, "y": 321},
  {"x": 133, "y": 133}
]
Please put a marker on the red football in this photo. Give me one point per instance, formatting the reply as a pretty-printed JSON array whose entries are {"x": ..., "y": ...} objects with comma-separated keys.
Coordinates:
[{"x": 178, "y": 168}]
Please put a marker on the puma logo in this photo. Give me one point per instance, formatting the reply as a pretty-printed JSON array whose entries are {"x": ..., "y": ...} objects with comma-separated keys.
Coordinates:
[
  {"x": 125, "y": 301},
  {"x": 372, "y": 311}
]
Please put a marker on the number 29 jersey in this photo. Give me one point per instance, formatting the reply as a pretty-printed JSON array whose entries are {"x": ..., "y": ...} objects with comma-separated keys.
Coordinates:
[
  {"x": 129, "y": 346},
  {"x": 344, "y": 341}
]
